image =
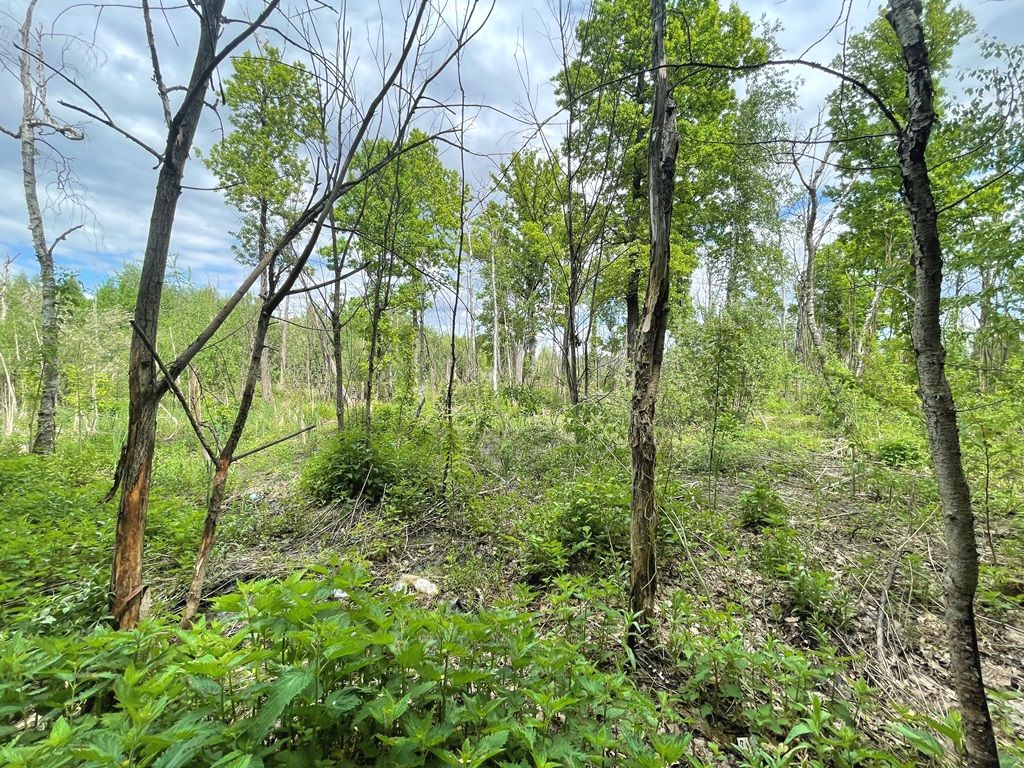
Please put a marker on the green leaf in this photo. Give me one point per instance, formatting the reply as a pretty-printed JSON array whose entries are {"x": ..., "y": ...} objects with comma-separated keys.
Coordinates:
[
  {"x": 798, "y": 730},
  {"x": 923, "y": 742},
  {"x": 289, "y": 685},
  {"x": 60, "y": 734}
]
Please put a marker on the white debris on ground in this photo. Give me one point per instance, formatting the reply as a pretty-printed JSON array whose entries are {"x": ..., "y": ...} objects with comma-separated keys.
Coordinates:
[{"x": 410, "y": 582}]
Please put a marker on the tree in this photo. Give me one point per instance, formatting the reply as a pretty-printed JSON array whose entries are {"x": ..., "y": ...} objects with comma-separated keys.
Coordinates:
[
  {"x": 616, "y": 42},
  {"x": 144, "y": 388},
  {"x": 36, "y": 120},
  {"x": 936, "y": 397},
  {"x": 273, "y": 112},
  {"x": 650, "y": 340},
  {"x": 406, "y": 220},
  {"x": 520, "y": 237}
]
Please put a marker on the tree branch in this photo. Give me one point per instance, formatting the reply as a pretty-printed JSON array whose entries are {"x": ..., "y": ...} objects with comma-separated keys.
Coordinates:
[
  {"x": 177, "y": 392},
  {"x": 272, "y": 443}
]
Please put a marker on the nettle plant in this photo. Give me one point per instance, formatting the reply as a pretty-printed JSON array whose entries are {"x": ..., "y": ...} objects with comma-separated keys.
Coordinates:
[{"x": 320, "y": 670}]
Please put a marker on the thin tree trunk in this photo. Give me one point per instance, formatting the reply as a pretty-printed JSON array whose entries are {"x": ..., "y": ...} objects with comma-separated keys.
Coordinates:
[
  {"x": 339, "y": 380},
  {"x": 650, "y": 340},
  {"x": 284, "y": 345},
  {"x": 218, "y": 489},
  {"x": 265, "y": 289},
  {"x": 144, "y": 390},
  {"x": 372, "y": 356},
  {"x": 495, "y": 330},
  {"x": 46, "y": 431},
  {"x": 961, "y": 579},
  {"x": 858, "y": 354},
  {"x": 806, "y": 303},
  {"x": 5, "y": 285}
]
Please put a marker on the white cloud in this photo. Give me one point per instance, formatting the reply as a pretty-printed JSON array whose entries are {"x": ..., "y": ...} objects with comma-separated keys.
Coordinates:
[{"x": 119, "y": 176}]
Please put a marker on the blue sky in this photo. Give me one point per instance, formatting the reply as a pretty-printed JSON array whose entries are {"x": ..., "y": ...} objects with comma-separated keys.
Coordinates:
[{"x": 118, "y": 178}]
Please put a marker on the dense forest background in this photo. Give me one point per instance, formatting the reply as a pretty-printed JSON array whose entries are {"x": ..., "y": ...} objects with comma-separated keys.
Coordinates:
[{"x": 394, "y": 499}]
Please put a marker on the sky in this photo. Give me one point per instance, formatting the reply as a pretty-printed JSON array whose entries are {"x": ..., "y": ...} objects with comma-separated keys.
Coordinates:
[{"x": 509, "y": 65}]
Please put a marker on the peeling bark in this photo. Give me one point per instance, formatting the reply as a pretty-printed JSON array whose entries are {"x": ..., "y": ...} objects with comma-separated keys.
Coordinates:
[
  {"x": 144, "y": 389},
  {"x": 650, "y": 338}
]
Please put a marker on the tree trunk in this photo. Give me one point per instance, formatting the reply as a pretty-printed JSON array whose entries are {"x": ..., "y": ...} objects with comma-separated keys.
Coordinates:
[
  {"x": 144, "y": 390},
  {"x": 809, "y": 315},
  {"x": 265, "y": 290},
  {"x": 339, "y": 380},
  {"x": 961, "y": 579},
  {"x": 858, "y": 353},
  {"x": 5, "y": 284},
  {"x": 218, "y": 490},
  {"x": 495, "y": 331},
  {"x": 650, "y": 339},
  {"x": 283, "y": 357},
  {"x": 46, "y": 431},
  {"x": 371, "y": 360}
]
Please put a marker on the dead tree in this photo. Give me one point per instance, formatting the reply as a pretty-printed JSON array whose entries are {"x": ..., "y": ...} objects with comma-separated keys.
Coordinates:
[
  {"x": 650, "y": 339},
  {"x": 144, "y": 388},
  {"x": 961, "y": 579},
  {"x": 36, "y": 119},
  {"x": 813, "y": 234},
  {"x": 411, "y": 58}
]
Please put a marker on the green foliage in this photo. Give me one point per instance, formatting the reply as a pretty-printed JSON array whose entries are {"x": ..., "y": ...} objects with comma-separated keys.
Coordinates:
[
  {"x": 581, "y": 525},
  {"x": 900, "y": 453},
  {"x": 767, "y": 688},
  {"x": 807, "y": 591},
  {"x": 353, "y": 465},
  {"x": 305, "y": 679},
  {"x": 761, "y": 507}
]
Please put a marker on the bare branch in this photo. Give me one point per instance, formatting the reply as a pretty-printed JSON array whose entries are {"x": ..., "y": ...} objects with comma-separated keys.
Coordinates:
[
  {"x": 157, "y": 77},
  {"x": 272, "y": 443},
  {"x": 62, "y": 237},
  {"x": 177, "y": 393}
]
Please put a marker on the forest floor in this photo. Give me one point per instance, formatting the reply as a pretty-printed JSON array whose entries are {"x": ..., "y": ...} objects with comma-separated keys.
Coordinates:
[
  {"x": 798, "y": 573},
  {"x": 851, "y": 561}
]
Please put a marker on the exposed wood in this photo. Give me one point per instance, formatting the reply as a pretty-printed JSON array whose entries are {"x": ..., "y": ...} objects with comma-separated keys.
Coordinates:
[
  {"x": 650, "y": 339},
  {"x": 143, "y": 387}
]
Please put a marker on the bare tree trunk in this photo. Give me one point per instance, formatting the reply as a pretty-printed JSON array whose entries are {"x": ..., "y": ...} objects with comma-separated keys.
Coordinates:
[
  {"x": 144, "y": 390},
  {"x": 858, "y": 353},
  {"x": 283, "y": 358},
  {"x": 34, "y": 114},
  {"x": 9, "y": 402},
  {"x": 650, "y": 339},
  {"x": 495, "y": 330},
  {"x": 265, "y": 289},
  {"x": 474, "y": 362},
  {"x": 5, "y": 285},
  {"x": 633, "y": 283},
  {"x": 961, "y": 579},
  {"x": 339, "y": 381},
  {"x": 375, "y": 314},
  {"x": 812, "y": 239},
  {"x": 218, "y": 489}
]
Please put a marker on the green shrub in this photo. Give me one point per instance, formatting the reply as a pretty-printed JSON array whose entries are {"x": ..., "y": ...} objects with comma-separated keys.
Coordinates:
[
  {"x": 579, "y": 525},
  {"x": 900, "y": 453},
  {"x": 761, "y": 507},
  {"x": 351, "y": 465},
  {"x": 302, "y": 678},
  {"x": 348, "y": 467}
]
